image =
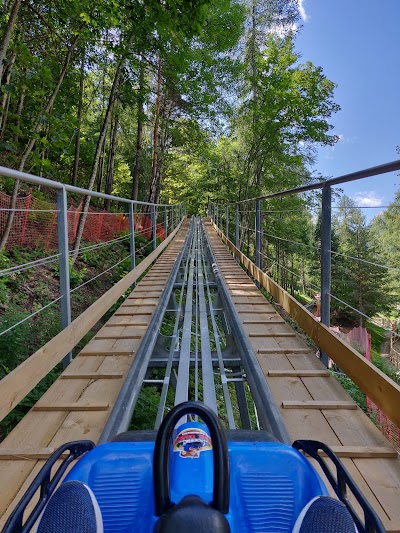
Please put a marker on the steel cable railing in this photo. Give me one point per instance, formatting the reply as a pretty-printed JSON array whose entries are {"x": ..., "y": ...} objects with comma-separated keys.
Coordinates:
[
  {"x": 277, "y": 246},
  {"x": 60, "y": 229},
  {"x": 31, "y": 264}
]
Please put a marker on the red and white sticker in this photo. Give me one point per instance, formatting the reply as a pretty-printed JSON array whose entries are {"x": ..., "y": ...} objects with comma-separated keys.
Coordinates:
[{"x": 190, "y": 442}]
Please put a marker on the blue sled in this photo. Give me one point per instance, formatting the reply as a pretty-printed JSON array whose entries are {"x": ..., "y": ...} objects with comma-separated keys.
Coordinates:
[{"x": 142, "y": 484}]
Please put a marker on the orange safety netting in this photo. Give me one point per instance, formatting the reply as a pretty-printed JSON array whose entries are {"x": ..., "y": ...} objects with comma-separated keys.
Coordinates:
[
  {"x": 35, "y": 223},
  {"x": 360, "y": 338}
]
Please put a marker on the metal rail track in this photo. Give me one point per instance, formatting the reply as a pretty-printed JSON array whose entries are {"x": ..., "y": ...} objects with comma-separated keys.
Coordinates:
[{"x": 195, "y": 348}]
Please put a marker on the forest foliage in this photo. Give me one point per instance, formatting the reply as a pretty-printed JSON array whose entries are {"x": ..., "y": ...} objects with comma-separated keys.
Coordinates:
[{"x": 188, "y": 101}]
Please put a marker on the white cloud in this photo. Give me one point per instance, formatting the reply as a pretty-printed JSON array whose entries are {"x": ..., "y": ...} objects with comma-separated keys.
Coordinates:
[
  {"x": 302, "y": 10},
  {"x": 282, "y": 30},
  {"x": 368, "y": 199}
]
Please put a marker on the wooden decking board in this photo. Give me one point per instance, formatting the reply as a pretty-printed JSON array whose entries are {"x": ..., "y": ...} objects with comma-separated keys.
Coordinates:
[
  {"x": 299, "y": 373},
  {"x": 265, "y": 321},
  {"x": 92, "y": 381},
  {"x": 296, "y": 376},
  {"x": 28, "y": 454},
  {"x": 90, "y": 375},
  {"x": 77, "y": 406},
  {"x": 284, "y": 351},
  {"x": 272, "y": 334},
  {"x": 378, "y": 452},
  {"x": 256, "y": 311},
  {"x": 317, "y": 404}
]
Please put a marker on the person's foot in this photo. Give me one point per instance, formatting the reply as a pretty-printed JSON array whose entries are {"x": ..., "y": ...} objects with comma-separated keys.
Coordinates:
[
  {"x": 324, "y": 515},
  {"x": 72, "y": 508}
]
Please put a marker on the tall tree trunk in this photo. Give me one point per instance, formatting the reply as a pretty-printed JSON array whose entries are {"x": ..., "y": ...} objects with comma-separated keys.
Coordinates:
[
  {"x": 254, "y": 92},
  {"x": 29, "y": 147},
  {"x": 5, "y": 104},
  {"x": 160, "y": 165},
  {"x": 7, "y": 34},
  {"x": 101, "y": 165},
  {"x": 20, "y": 107},
  {"x": 139, "y": 135},
  {"x": 74, "y": 177},
  {"x": 153, "y": 182},
  {"x": 111, "y": 161},
  {"x": 111, "y": 99}
]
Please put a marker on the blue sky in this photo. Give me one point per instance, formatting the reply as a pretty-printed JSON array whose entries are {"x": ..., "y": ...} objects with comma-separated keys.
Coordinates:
[{"x": 357, "y": 42}]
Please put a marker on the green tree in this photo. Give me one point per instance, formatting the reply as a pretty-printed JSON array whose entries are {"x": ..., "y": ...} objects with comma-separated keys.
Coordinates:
[
  {"x": 362, "y": 283},
  {"x": 385, "y": 229}
]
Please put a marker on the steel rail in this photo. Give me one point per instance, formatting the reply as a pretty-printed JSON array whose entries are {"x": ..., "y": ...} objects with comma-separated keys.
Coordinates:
[
  {"x": 182, "y": 385},
  {"x": 45, "y": 182},
  {"x": 124, "y": 406},
  {"x": 267, "y": 411},
  {"x": 174, "y": 345},
  {"x": 207, "y": 372},
  {"x": 224, "y": 381},
  {"x": 353, "y": 176}
]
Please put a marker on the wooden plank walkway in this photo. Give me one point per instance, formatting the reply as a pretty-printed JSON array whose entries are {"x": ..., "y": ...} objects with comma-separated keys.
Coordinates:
[
  {"x": 313, "y": 404},
  {"x": 78, "y": 404}
]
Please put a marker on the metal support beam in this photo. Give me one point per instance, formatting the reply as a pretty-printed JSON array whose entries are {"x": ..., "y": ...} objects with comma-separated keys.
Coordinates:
[
  {"x": 258, "y": 237},
  {"x": 242, "y": 404},
  {"x": 65, "y": 293},
  {"x": 227, "y": 222},
  {"x": 165, "y": 222},
  {"x": 132, "y": 236},
  {"x": 132, "y": 245},
  {"x": 154, "y": 225},
  {"x": 326, "y": 234},
  {"x": 237, "y": 226}
]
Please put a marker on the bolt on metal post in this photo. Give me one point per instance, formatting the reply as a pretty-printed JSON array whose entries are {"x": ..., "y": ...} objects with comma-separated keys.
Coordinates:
[
  {"x": 63, "y": 260},
  {"x": 326, "y": 235}
]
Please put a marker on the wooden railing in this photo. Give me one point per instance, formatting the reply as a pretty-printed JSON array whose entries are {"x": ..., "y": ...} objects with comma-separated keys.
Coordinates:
[
  {"x": 16, "y": 385},
  {"x": 382, "y": 390}
]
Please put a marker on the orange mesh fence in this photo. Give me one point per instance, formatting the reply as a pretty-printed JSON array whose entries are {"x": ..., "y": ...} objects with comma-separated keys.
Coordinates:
[
  {"x": 360, "y": 338},
  {"x": 35, "y": 223}
]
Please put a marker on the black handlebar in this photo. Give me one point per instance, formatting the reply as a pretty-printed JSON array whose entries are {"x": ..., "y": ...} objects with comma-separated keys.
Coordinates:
[{"x": 220, "y": 454}]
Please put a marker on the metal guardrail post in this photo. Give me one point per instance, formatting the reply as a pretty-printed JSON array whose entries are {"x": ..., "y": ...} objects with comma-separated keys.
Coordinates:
[
  {"x": 154, "y": 224},
  {"x": 326, "y": 233},
  {"x": 258, "y": 236},
  {"x": 165, "y": 222},
  {"x": 132, "y": 245},
  {"x": 237, "y": 226},
  {"x": 216, "y": 215},
  {"x": 227, "y": 222},
  {"x": 132, "y": 236},
  {"x": 65, "y": 292}
]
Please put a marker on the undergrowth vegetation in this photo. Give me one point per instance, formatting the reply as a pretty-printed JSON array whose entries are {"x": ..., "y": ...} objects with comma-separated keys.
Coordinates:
[{"x": 26, "y": 292}]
